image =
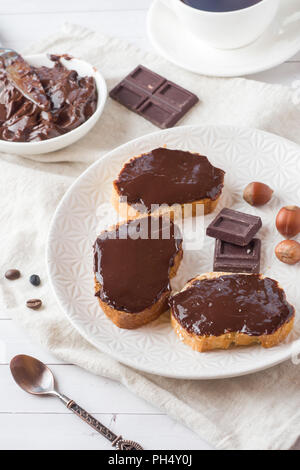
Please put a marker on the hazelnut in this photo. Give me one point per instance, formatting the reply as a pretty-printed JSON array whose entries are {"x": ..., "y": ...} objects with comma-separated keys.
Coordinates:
[
  {"x": 288, "y": 221},
  {"x": 288, "y": 251},
  {"x": 257, "y": 194}
]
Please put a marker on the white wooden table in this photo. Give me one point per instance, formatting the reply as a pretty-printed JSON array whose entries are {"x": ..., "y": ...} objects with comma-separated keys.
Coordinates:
[{"x": 28, "y": 422}]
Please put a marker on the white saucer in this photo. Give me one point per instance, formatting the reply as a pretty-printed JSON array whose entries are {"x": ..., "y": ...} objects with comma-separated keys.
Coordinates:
[{"x": 279, "y": 43}]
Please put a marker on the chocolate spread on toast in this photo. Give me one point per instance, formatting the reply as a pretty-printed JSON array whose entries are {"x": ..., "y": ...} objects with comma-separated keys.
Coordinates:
[
  {"x": 165, "y": 176},
  {"x": 132, "y": 263},
  {"x": 232, "y": 303}
]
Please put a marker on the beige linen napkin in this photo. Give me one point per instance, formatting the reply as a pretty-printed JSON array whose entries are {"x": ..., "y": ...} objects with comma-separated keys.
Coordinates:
[{"x": 261, "y": 411}]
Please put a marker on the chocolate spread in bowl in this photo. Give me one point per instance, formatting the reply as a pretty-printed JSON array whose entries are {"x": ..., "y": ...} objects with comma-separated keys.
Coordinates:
[
  {"x": 232, "y": 303},
  {"x": 165, "y": 176},
  {"x": 133, "y": 267},
  {"x": 73, "y": 99}
]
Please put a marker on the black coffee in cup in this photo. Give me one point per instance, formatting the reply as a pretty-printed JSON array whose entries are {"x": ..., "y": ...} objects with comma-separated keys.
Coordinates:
[{"x": 220, "y": 5}]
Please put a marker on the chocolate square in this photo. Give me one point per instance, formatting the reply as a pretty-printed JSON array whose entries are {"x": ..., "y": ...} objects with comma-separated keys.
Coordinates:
[
  {"x": 152, "y": 96},
  {"x": 237, "y": 259},
  {"x": 128, "y": 95},
  {"x": 176, "y": 96},
  {"x": 145, "y": 79},
  {"x": 234, "y": 227},
  {"x": 159, "y": 113}
]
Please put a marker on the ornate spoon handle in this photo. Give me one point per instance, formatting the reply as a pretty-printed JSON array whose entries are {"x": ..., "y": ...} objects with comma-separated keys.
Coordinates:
[{"x": 117, "y": 441}]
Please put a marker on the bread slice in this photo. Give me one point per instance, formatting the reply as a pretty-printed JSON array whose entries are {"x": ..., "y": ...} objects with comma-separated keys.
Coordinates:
[
  {"x": 224, "y": 341},
  {"x": 131, "y": 320},
  {"x": 128, "y": 211}
]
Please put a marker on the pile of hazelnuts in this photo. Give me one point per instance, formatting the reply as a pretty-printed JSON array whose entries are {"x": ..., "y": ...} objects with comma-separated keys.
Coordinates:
[{"x": 287, "y": 221}]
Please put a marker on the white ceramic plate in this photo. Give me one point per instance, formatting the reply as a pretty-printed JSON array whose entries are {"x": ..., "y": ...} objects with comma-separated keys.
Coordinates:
[
  {"x": 50, "y": 145},
  {"x": 246, "y": 155},
  {"x": 279, "y": 43}
]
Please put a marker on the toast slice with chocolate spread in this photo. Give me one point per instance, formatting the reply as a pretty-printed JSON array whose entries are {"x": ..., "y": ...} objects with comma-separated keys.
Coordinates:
[
  {"x": 133, "y": 264},
  {"x": 157, "y": 181},
  {"x": 217, "y": 310}
]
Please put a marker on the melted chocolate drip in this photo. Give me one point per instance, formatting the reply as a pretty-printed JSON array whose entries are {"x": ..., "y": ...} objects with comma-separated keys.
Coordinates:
[
  {"x": 232, "y": 303},
  {"x": 166, "y": 176},
  {"x": 133, "y": 267},
  {"x": 73, "y": 100}
]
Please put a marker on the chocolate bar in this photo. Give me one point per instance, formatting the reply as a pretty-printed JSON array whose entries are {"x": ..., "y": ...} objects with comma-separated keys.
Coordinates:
[
  {"x": 237, "y": 259},
  {"x": 234, "y": 227},
  {"x": 154, "y": 97}
]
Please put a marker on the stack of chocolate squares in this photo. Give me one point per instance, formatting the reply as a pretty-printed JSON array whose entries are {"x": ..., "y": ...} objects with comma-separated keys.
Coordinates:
[{"x": 236, "y": 250}]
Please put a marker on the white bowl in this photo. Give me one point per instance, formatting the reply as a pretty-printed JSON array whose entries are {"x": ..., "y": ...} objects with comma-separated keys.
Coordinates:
[{"x": 50, "y": 145}]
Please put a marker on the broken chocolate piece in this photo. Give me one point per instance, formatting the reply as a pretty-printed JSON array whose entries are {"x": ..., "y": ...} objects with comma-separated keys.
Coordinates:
[
  {"x": 152, "y": 96},
  {"x": 237, "y": 259},
  {"x": 234, "y": 227}
]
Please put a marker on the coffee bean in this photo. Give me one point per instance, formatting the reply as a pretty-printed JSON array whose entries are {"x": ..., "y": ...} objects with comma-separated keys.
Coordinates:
[
  {"x": 35, "y": 280},
  {"x": 35, "y": 304},
  {"x": 12, "y": 274}
]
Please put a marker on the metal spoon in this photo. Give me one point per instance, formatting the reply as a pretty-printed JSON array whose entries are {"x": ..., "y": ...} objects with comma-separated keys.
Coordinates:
[
  {"x": 34, "y": 377},
  {"x": 24, "y": 78}
]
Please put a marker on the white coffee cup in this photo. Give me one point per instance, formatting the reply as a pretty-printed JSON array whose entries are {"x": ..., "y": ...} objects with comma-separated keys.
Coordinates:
[{"x": 226, "y": 30}]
